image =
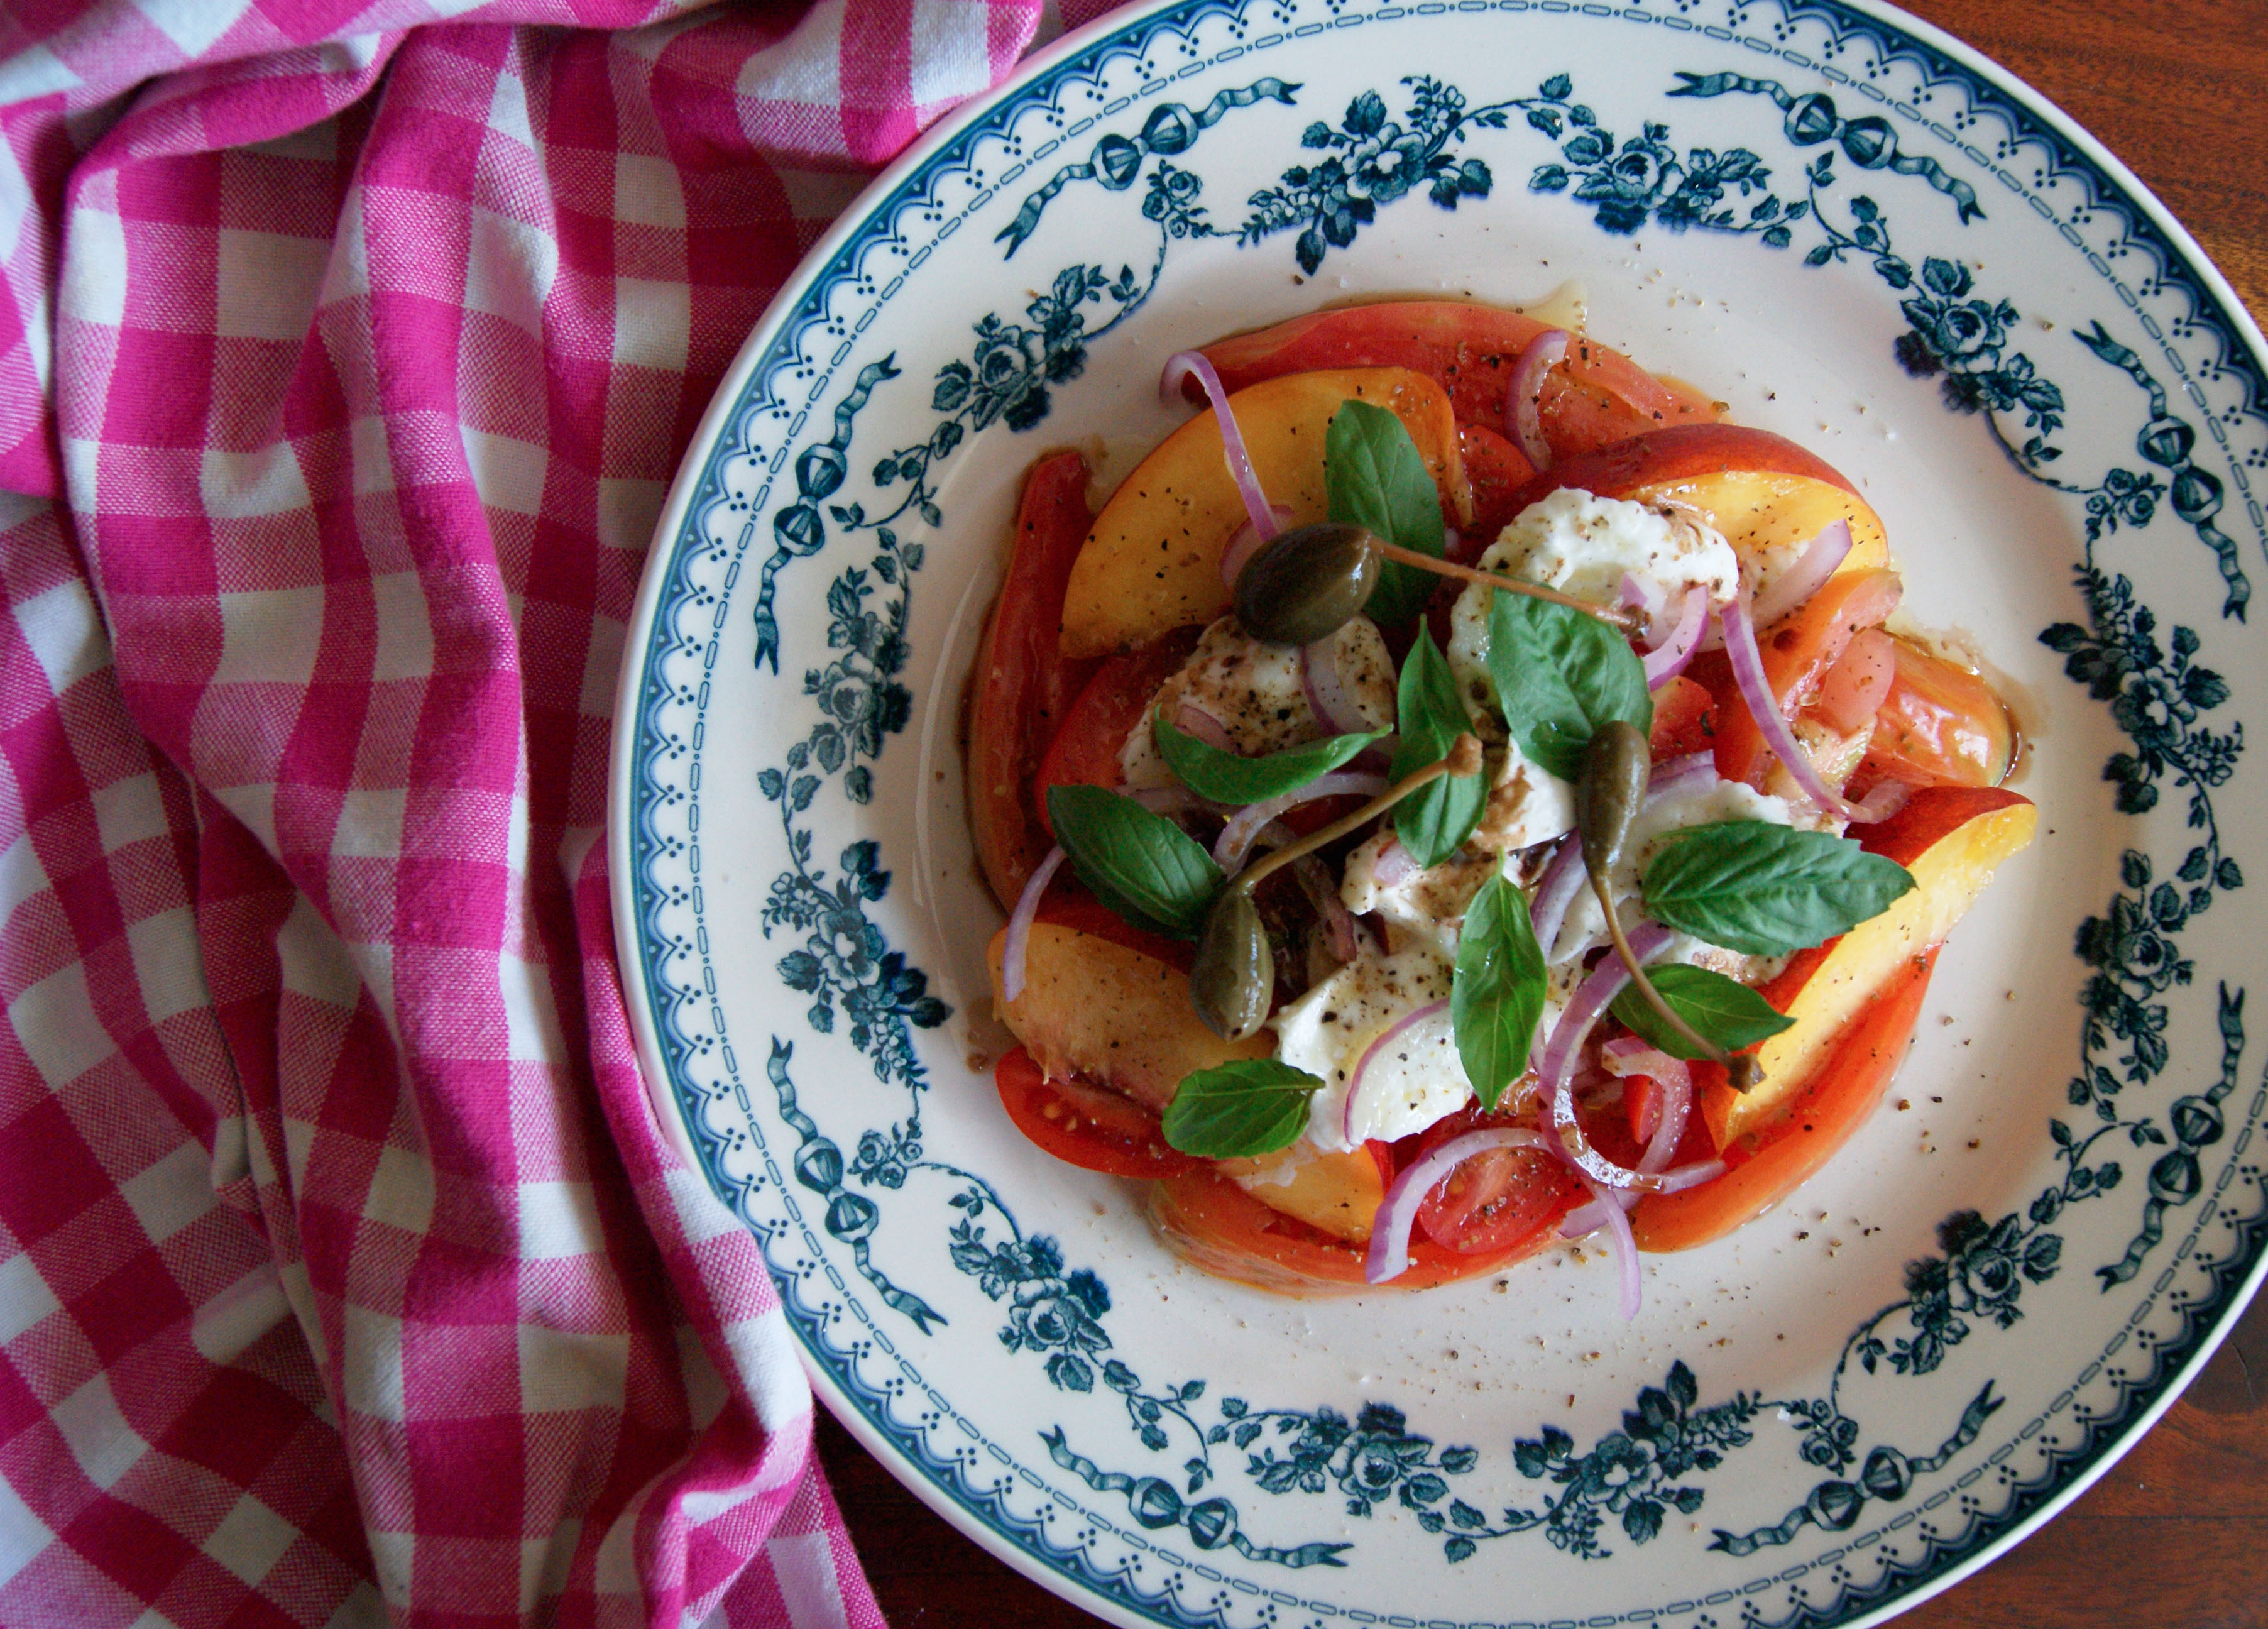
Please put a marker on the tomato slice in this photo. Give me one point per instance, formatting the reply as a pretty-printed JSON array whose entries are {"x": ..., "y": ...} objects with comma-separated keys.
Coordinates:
[
  {"x": 1797, "y": 650},
  {"x": 1845, "y": 1091},
  {"x": 1024, "y": 687},
  {"x": 1499, "y": 1198},
  {"x": 1684, "y": 718},
  {"x": 1497, "y": 471},
  {"x": 1218, "y": 1227},
  {"x": 1596, "y": 397},
  {"x": 1940, "y": 725},
  {"x": 1085, "y": 751},
  {"x": 1085, "y": 1125}
]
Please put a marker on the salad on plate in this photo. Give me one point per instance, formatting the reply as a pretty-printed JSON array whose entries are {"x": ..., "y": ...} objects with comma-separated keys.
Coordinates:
[{"x": 1458, "y": 795}]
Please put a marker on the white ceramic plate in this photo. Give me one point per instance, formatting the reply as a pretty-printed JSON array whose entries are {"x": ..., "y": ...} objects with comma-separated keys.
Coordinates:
[{"x": 1859, "y": 234}]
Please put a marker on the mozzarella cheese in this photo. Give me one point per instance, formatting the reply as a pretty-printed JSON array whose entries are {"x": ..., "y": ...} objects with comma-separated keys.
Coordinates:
[
  {"x": 1257, "y": 691},
  {"x": 1415, "y": 1080}
]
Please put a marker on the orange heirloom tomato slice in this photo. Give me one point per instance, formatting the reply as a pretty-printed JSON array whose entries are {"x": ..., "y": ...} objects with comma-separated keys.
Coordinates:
[{"x": 1940, "y": 725}]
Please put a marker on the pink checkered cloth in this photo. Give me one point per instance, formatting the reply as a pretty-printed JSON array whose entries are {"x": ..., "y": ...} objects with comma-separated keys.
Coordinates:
[{"x": 345, "y": 355}]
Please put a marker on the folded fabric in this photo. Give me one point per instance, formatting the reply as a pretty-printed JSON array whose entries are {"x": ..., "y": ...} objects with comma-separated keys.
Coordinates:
[{"x": 343, "y": 1272}]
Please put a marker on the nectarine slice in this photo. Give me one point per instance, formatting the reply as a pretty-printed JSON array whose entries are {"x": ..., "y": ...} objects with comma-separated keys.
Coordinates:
[{"x": 1151, "y": 562}]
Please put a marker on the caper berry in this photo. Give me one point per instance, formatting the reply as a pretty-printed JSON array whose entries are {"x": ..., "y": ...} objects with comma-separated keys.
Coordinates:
[
  {"x": 1616, "y": 767},
  {"x": 1233, "y": 980},
  {"x": 1308, "y": 583}
]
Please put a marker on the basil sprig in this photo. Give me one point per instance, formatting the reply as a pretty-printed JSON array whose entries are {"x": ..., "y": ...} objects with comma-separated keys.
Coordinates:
[
  {"x": 1226, "y": 777},
  {"x": 1560, "y": 675},
  {"x": 1237, "y": 1109},
  {"x": 1722, "y": 1010},
  {"x": 1433, "y": 821},
  {"x": 1375, "y": 478},
  {"x": 1496, "y": 997},
  {"x": 1141, "y": 864},
  {"x": 1765, "y": 889}
]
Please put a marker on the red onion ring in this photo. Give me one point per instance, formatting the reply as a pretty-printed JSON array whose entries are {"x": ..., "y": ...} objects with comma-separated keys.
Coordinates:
[
  {"x": 1665, "y": 660},
  {"x": 1181, "y": 365},
  {"x": 1236, "y": 837},
  {"x": 1329, "y": 698},
  {"x": 1019, "y": 925},
  {"x": 1645, "y": 594},
  {"x": 1648, "y": 941},
  {"x": 1590, "y": 1218},
  {"x": 1807, "y": 575},
  {"x": 1755, "y": 690},
  {"x": 1562, "y": 880},
  {"x": 1170, "y": 799},
  {"x": 1390, "y": 1231},
  {"x": 1677, "y": 774},
  {"x": 1523, "y": 395},
  {"x": 1362, "y": 1067},
  {"x": 1247, "y": 543},
  {"x": 1624, "y": 1245},
  {"x": 1195, "y": 722}
]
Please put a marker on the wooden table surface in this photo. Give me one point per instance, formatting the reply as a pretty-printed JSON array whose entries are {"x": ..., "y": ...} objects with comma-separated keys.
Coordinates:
[{"x": 2176, "y": 1534}]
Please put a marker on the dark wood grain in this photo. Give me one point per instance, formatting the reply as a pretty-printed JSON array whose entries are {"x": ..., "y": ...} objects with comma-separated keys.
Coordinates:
[{"x": 2176, "y": 1534}]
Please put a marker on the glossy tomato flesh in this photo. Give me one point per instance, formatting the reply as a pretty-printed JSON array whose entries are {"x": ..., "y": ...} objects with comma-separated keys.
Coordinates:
[{"x": 1085, "y": 1125}]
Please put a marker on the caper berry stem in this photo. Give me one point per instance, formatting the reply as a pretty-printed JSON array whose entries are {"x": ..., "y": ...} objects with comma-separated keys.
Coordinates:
[
  {"x": 1616, "y": 616},
  {"x": 1743, "y": 1067},
  {"x": 1462, "y": 758}
]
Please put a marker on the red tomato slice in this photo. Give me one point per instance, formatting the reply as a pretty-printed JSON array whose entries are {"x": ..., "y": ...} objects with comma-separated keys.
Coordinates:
[
  {"x": 1217, "y": 1226},
  {"x": 1497, "y": 1199},
  {"x": 1496, "y": 471},
  {"x": 1085, "y": 1125},
  {"x": 1024, "y": 687},
  {"x": 1596, "y": 397},
  {"x": 1684, "y": 718},
  {"x": 1085, "y": 751}
]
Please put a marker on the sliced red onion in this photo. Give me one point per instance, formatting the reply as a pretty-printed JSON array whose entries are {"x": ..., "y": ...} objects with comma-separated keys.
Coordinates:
[
  {"x": 1624, "y": 1245},
  {"x": 1245, "y": 544},
  {"x": 1591, "y": 1218},
  {"x": 1646, "y": 941},
  {"x": 1236, "y": 836},
  {"x": 1330, "y": 697},
  {"x": 1394, "y": 864},
  {"x": 1170, "y": 799},
  {"x": 1523, "y": 395},
  {"x": 1588, "y": 1219},
  {"x": 1855, "y": 686},
  {"x": 1390, "y": 1231},
  {"x": 1644, "y": 594},
  {"x": 1179, "y": 366},
  {"x": 1195, "y": 722},
  {"x": 1356, "y": 1097},
  {"x": 1665, "y": 661},
  {"x": 1562, "y": 880},
  {"x": 1340, "y": 935},
  {"x": 1747, "y": 665},
  {"x": 1805, "y": 576},
  {"x": 1673, "y": 775},
  {"x": 1019, "y": 924}
]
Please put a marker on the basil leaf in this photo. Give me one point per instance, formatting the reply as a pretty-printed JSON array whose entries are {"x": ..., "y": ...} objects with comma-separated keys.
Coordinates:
[
  {"x": 1720, "y": 1009},
  {"x": 1141, "y": 864},
  {"x": 1560, "y": 674},
  {"x": 1433, "y": 821},
  {"x": 1226, "y": 777},
  {"x": 1234, "y": 1110},
  {"x": 1497, "y": 998},
  {"x": 1375, "y": 478},
  {"x": 1765, "y": 889}
]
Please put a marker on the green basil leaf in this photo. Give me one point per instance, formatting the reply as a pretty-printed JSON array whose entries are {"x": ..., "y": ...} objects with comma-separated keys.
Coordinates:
[
  {"x": 1720, "y": 1009},
  {"x": 1765, "y": 889},
  {"x": 1141, "y": 864},
  {"x": 1234, "y": 1110},
  {"x": 1497, "y": 999},
  {"x": 1226, "y": 777},
  {"x": 1560, "y": 674},
  {"x": 1375, "y": 478},
  {"x": 1433, "y": 821}
]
